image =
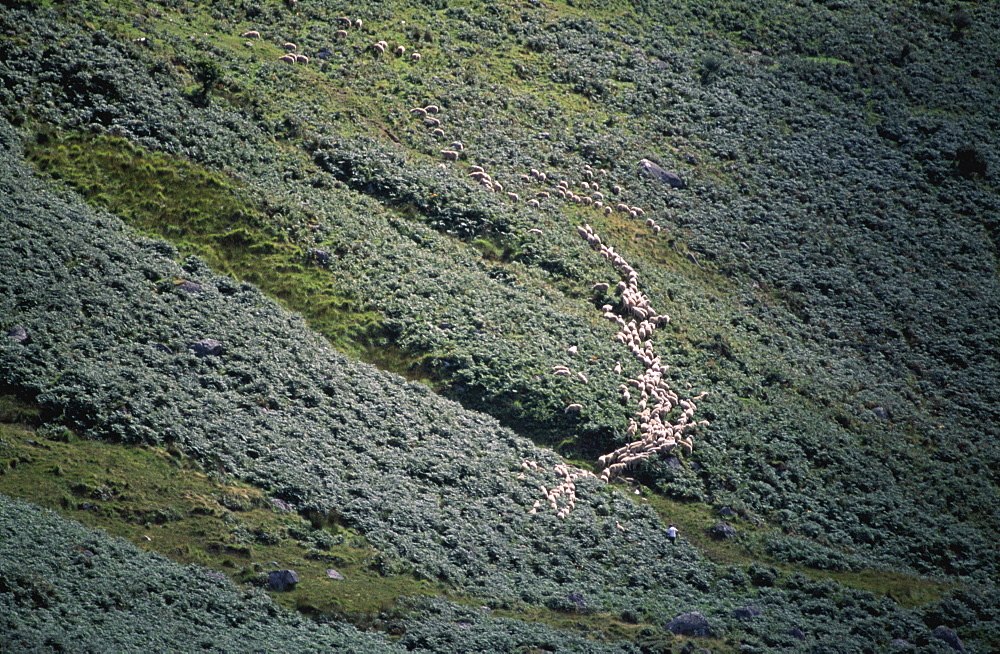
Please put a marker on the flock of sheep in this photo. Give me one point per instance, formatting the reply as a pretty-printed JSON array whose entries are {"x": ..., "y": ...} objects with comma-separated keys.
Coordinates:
[
  {"x": 655, "y": 431},
  {"x": 346, "y": 24}
]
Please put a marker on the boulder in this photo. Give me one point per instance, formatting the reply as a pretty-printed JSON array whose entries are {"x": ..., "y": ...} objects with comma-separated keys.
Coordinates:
[
  {"x": 333, "y": 574},
  {"x": 747, "y": 612},
  {"x": 949, "y": 636},
  {"x": 882, "y": 413},
  {"x": 578, "y": 600},
  {"x": 660, "y": 175},
  {"x": 796, "y": 633},
  {"x": 282, "y": 580},
  {"x": 189, "y": 286},
  {"x": 727, "y": 512},
  {"x": 691, "y": 623},
  {"x": 206, "y": 347},
  {"x": 723, "y": 531},
  {"x": 322, "y": 257},
  {"x": 19, "y": 335},
  {"x": 281, "y": 505}
]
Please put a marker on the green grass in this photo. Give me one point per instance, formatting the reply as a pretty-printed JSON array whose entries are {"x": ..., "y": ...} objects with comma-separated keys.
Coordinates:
[
  {"x": 208, "y": 214},
  {"x": 693, "y": 519}
]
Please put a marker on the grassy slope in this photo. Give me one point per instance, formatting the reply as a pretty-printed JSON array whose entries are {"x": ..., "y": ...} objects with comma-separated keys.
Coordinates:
[{"x": 212, "y": 241}]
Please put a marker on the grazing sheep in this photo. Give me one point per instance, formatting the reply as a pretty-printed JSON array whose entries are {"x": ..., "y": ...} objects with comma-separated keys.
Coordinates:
[
  {"x": 291, "y": 47},
  {"x": 656, "y": 229},
  {"x": 542, "y": 194},
  {"x": 574, "y": 408},
  {"x": 431, "y": 121},
  {"x": 301, "y": 59},
  {"x": 287, "y": 58},
  {"x": 585, "y": 185},
  {"x": 418, "y": 111},
  {"x": 358, "y": 23},
  {"x": 608, "y": 211},
  {"x": 537, "y": 232},
  {"x": 432, "y": 109},
  {"x": 438, "y": 132},
  {"x": 340, "y": 34},
  {"x": 561, "y": 373},
  {"x": 449, "y": 155},
  {"x": 252, "y": 34},
  {"x": 378, "y": 47},
  {"x": 618, "y": 368},
  {"x": 513, "y": 196},
  {"x": 415, "y": 56},
  {"x": 344, "y": 20},
  {"x": 573, "y": 349},
  {"x": 602, "y": 287},
  {"x": 533, "y": 203},
  {"x": 400, "y": 50},
  {"x": 638, "y": 210},
  {"x": 457, "y": 145},
  {"x": 582, "y": 377}
]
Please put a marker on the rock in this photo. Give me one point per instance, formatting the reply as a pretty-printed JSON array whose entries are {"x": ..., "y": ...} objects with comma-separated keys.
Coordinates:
[
  {"x": 189, "y": 286},
  {"x": 660, "y": 175},
  {"x": 19, "y": 335},
  {"x": 674, "y": 463},
  {"x": 727, "y": 512},
  {"x": 578, "y": 600},
  {"x": 322, "y": 257},
  {"x": 949, "y": 636},
  {"x": 282, "y": 580},
  {"x": 281, "y": 505},
  {"x": 206, "y": 347},
  {"x": 899, "y": 643},
  {"x": 324, "y": 53},
  {"x": 690, "y": 624},
  {"x": 747, "y": 612},
  {"x": 333, "y": 574},
  {"x": 796, "y": 633},
  {"x": 882, "y": 413},
  {"x": 723, "y": 530}
]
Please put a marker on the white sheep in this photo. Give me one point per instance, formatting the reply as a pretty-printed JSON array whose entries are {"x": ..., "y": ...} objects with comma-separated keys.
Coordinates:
[
  {"x": 340, "y": 34},
  {"x": 457, "y": 145},
  {"x": 437, "y": 132},
  {"x": 449, "y": 155},
  {"x": 291, "y": 47},
  {"x": 418, "y": 111},
  {"x": 432, "y": 109},
  {"x": 415, "y": 56},
  {"x": 252, "y": 34},
  {"x": 400, "y": 50}
]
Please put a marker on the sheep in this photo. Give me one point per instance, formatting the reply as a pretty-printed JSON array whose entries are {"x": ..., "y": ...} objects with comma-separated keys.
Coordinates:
[
  {"x": 601, "y": 287},
  {"x": 400, "y": 50},
  {"x": 291, "y": 47},
  {"x": 573, "y": 349},
  {"x": 415, "y": 56},
  {"x": 302, "y": 59},
  {"x": 358, "y": 23},
  {"x": 573, "y": 408},
  {"x": 608, "y": 211},
  {"x": 585, "y": 185},
  {"x": 449, "y": 155},
  {"x": 597, "y": 195},
  {"x": 598, "y": 204},
  {"x": 535, "y": 231},
  {"x": 378, "y": 47},
  {"x": 287, "y": 58},
  {"x": 437, "y": 132},
  {"x": 639, "y": 210},
  {"x": 340, "y": 34},
  {"x": 431, "y": 121},
  {"x": 418, "y": 111},
  {"x": 252, "y": 34},
  {"x": 618, "y": 368},
  {"x": 582, "y": 377},
  {"x": 656, "y": 229},
  {"x": 542, "y": 194},
  {"x": 432, "y": 109},
  {"x": 616, "y": 189},
  {"x": 513, "y": 196},
  {"x": 457, "y": 145},
  {"x": 533, "y": 203},
  {"x": 622, "y": 207}
]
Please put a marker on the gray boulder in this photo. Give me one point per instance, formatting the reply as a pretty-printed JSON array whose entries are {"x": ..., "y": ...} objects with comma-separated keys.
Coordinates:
[
  {"x": 333, "y": 574},
  {"x": 949, "y": 636},
  {"x": 723, "y": 531},
  {"x": 19, "y": 335},
  {"x": 747, "y": 612},
  {"x": 206, "y": 347},
  {"x": 660, "y": 175},
  {"x": 691, "y": 623},
  {"x": 282, "y": 580}
]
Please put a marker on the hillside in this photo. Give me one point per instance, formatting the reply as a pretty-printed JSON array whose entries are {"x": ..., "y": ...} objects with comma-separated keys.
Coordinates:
[{"x": 352, "y": 263}]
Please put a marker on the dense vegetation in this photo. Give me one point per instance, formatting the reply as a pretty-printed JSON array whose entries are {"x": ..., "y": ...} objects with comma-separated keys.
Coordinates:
[{"x": 829, "y": 265}]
